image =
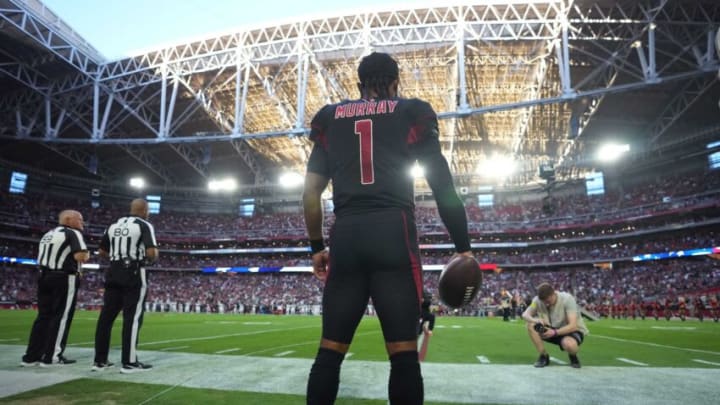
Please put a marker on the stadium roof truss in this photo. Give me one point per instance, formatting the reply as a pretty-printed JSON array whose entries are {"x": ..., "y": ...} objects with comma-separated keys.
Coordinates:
[{"x": 521, "y": 78}]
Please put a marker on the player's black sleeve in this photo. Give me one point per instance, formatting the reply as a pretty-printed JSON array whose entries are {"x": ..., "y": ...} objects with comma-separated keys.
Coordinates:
[
  {"x": 437, "y": 173},
  {"x": 318, "y": 162},
  {"x": 318, "y": 127}
]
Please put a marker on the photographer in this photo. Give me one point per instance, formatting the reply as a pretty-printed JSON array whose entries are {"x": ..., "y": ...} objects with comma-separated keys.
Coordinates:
[{"x": 554, "y": 316}]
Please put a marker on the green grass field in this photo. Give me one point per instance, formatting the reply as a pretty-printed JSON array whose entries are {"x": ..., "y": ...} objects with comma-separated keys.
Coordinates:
[{"x": 286, "y": 344}]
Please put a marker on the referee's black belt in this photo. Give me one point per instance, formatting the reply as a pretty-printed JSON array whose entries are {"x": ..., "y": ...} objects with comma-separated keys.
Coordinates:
[{"x": 128, "y": 263}]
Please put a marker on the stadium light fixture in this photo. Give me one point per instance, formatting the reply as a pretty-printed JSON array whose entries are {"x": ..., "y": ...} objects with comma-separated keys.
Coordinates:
[
  {"x": 498, "y": 166},
  {"x": 291, "y": 179},
  {"x": 227, "y": 184},
  {"x": 137, "y": 182},
  {"x": 611, "y": 152},
  {"x": 417, "y": 171}
]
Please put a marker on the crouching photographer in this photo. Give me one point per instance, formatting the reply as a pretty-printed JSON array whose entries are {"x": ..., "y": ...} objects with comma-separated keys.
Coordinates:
[{"x": 554, "y": 317}]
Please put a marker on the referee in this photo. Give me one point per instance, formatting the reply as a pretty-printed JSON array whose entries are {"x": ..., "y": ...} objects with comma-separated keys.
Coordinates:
[
  {"x": 61, "y": 252},
  {"x": 129, "y": 243}
]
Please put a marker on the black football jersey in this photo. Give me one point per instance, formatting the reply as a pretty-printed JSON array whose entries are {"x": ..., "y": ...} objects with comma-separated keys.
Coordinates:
[{"x": 367, "y": 148}]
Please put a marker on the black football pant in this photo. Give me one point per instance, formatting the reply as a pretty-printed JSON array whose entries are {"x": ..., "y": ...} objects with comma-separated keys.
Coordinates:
[
  {"x": 130, "y": 299},
  {"x": 373, "y": 255},
  {"x": 57, "y": 295}
]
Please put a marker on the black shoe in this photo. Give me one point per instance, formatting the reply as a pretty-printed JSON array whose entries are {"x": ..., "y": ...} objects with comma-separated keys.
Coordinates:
[
  {"x": 542, "y": 361},
  {"x": 135, "y": 367},
  {"x": 101, "y": 366},
  {"x": 574, "y": 361},
  {"x": 64, "y": 360},
  {"x": 61, "y": 360}
]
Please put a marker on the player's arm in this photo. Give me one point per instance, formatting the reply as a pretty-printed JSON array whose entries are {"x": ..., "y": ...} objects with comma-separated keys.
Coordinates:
[
  {"x": 317, "y": 177},
  {"x": 315, "y": 184},
  {"x": 437, "y": 173}
]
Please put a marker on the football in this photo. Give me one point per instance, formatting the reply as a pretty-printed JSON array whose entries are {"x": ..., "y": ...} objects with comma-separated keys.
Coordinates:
[{"x": 460, "y": 281}]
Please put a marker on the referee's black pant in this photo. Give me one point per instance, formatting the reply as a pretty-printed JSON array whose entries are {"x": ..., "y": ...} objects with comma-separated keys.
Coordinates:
[
  {"x": 57, "y": 295},
  {"x": 128, "y": 296}
]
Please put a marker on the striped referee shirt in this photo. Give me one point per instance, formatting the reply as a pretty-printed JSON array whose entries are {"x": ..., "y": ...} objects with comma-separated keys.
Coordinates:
[
  {"x": 128, "y": 238},
  {"x": 57, "y": 248}
]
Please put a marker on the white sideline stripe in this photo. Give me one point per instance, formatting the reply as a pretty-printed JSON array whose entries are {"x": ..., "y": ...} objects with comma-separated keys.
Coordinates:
[
  {"x": 712, "y": 363},
  {"x": 483, "y": 360},
  {"x": 81, "y": 343},
  {"x": 624, "y": 360},
  {"x": 444, "y": 382},
  {"x": 281, "y": 354},
  {"x": 167, "y": 349},
  {"x": 257, "y": 332},
  {"x": 558, "y": 361},
  {"x": 348, "y": 355},
  {"x": 656, "y": 345},
  {"x": 227, "y": 350}
]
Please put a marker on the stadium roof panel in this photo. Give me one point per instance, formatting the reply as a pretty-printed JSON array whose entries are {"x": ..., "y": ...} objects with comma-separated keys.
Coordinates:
[{"x": 533, "y": 80}]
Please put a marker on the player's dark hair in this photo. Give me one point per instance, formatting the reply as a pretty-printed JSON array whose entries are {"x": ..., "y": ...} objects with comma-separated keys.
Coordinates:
[
  {"x": 544, "y": 291},
  {"x": 376, "y": 72}
]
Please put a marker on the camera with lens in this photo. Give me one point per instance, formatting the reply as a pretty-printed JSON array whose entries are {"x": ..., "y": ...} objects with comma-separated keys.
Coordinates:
[{"x": 540, "y": 328}]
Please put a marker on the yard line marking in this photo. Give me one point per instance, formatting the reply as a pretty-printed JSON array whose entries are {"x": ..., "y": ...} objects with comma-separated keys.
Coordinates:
[
  {"x": 674, "y": 327},
  {"x": 483, "y": 360},
  {"x": 656, "y": 345},
  {"x": 257, "y": 332},
  {"x": 9, "y": 340},
  {"x": 227, "y": 350},
  {"x": 558, "y": 361},
  {"x": 348, "y": 355},
  {"x": 712, "y": 363},
  {"x": 281, "y": 354},
  {"x": 256, "y": 323},
  {"x": 624, "y": 360},
  {"x": 624, "y": 327},
  {"x": 167, "y": 349}
]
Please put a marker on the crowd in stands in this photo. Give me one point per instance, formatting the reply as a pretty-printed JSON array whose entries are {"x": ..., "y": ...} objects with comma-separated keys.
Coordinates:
[
  {"x": 672, "y": 196},
  {"x": 577, "y": 228},
  {"x": 590, "y": 251},
  {"x": 622, "y": 284}
]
